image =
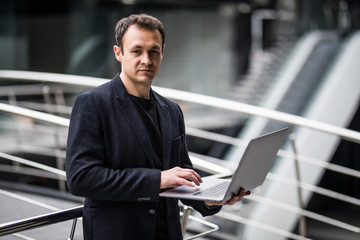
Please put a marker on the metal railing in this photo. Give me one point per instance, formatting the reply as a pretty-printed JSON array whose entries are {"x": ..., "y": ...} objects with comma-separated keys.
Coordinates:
[
  {"x": 179, "y": 95},
  {"x": 76, "y": 212},
  {"x": 203, "y": 162},
  {"x": 43, "y": 220}
]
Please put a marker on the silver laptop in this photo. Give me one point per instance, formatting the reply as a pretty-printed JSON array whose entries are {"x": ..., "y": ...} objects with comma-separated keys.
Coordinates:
[{"x": 251, "y": 172}]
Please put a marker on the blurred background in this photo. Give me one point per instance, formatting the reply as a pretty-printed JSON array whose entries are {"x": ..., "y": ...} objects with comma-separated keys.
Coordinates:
[
  {"x": 208, "y": 42},
  {"x": 298, "y": 57}
]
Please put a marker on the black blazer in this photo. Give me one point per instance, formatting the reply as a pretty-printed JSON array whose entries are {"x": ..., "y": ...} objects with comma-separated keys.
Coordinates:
[{"x": 109, "y": 163}]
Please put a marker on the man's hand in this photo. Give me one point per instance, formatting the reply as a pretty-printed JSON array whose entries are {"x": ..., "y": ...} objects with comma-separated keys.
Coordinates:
[
  {"x": 231, "y": 201},
  {"x": 177, "y": 176}
]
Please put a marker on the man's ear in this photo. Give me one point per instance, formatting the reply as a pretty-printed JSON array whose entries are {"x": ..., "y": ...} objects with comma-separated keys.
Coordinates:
[{"x": 117, "y": 53}]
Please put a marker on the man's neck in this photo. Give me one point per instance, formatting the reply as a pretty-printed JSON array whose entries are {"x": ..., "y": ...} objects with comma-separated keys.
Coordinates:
[{"x": 138, "y": 90}]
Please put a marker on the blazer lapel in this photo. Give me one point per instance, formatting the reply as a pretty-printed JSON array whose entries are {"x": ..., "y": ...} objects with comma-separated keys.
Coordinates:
[
  {"x": 166, "y": 129},
  {"x": 127, "y": 107}
]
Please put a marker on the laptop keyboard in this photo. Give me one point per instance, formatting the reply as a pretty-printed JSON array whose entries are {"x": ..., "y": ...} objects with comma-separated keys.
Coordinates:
[{"x": 214, "y": 191}]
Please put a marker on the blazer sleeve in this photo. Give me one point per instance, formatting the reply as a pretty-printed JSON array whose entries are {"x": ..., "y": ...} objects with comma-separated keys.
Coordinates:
[{"x": 88, "y": 174}]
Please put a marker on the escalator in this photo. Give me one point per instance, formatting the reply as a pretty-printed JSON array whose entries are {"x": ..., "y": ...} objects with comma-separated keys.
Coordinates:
[{"x": 319, "y": 82}]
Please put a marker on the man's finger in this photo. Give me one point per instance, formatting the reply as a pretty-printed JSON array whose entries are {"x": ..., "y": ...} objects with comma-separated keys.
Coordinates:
[{"x": 191, "y": 175}]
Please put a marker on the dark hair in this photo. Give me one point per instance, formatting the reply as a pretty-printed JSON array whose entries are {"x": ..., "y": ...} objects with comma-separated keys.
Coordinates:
[{"x": 140, "y": 20}]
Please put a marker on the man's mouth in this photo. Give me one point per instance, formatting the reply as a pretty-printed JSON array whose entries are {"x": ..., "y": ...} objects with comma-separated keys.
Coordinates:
[{"x": 146, "y": 70}]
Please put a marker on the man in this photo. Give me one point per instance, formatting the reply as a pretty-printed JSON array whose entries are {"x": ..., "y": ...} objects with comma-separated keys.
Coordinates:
[{"x": 126, "y": 143}]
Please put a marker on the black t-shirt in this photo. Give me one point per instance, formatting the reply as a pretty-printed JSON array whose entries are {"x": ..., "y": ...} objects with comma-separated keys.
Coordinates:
[{"x": 147, "y": 111}]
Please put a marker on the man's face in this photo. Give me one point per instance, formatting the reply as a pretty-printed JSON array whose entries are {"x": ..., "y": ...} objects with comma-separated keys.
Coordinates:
[{"x": 140, "y": 57}]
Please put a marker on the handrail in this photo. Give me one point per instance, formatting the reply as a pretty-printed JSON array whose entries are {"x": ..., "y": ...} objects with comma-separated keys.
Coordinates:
[
  {"x": 29, "y": 171},
  {"x": 230, "y": 105},
  {"x": 313, "y": 188},
  {"x": 309, "y": 214},
  {"x": 52, "y": 78},
  {"x": 28, "y": 90},
  {"x": 185, "y": 216},
  {"x": 41, "y": 220},
  {"x": 33, "y": 164},
  {"x": 347, "y": 134},
  {"x": 69, "y": 214},
  {"x": 282, "y": 153},
  {"x": 242, "y": 220},
  {"x": 55, "y": 108},
  {"x": 213, "y": 227},
  {"x": 40, "y": 116}
]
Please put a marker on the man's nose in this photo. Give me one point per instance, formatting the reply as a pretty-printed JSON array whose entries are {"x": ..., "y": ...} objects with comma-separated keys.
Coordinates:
[{"x": 145, "y": 59}]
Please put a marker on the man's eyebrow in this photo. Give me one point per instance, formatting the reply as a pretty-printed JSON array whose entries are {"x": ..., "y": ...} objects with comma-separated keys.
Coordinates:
[
  {"x": 141, "y": 47},
  {"x": 135, "y": 46}
]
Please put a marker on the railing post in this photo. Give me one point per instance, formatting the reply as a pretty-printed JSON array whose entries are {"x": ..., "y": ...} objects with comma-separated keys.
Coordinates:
[
  {"x": 60, "y": 163},
  {"x": 18, "y": 134},
  {"x": 185, "y": 218},
  {"x": 302, "y": 223},
  {"x": 73, "y": 227}
]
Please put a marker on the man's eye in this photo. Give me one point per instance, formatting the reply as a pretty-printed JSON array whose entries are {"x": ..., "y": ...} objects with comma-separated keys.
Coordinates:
[{"x": 136, "y": 51}]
